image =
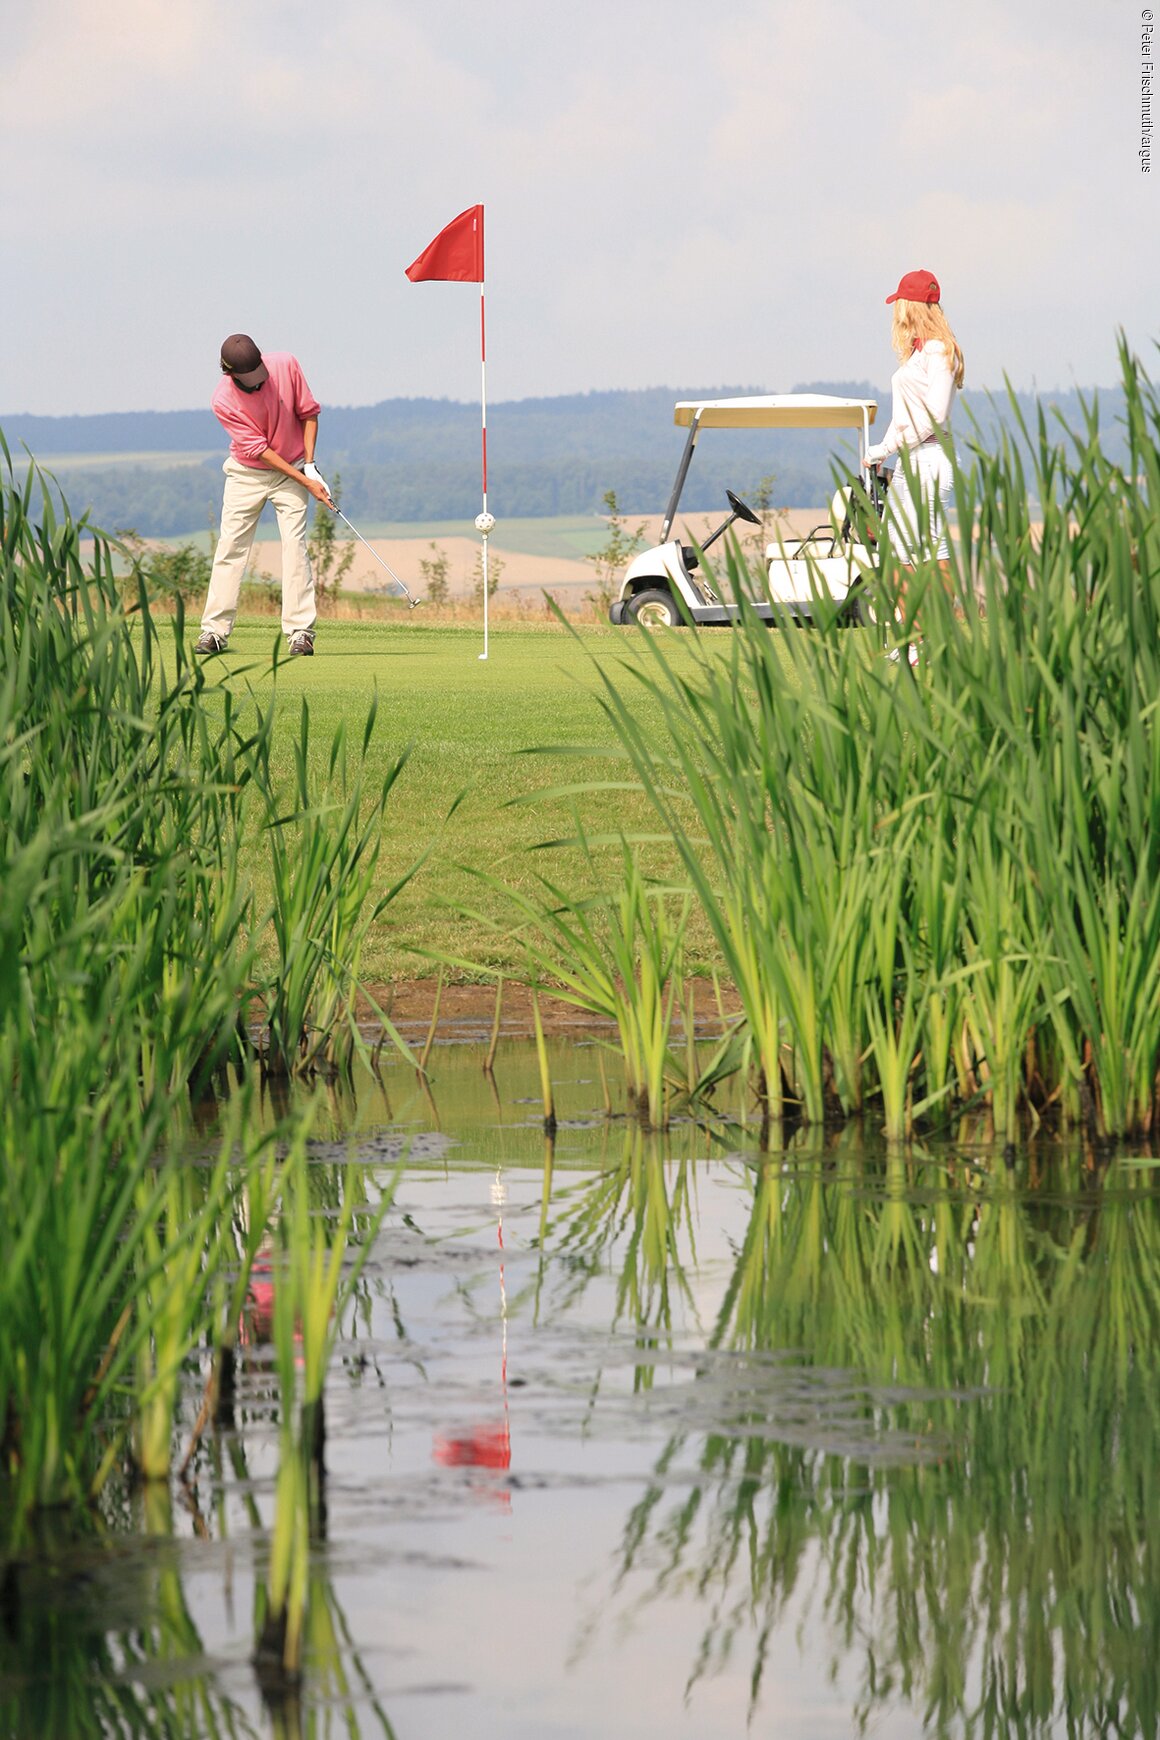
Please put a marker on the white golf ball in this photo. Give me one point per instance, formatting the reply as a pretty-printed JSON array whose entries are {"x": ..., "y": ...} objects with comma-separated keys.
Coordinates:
[{"x": 485, "y": 523}]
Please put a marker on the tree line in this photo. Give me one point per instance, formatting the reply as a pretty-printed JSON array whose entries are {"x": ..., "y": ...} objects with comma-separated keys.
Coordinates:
[{"x": 415, "y": 460}]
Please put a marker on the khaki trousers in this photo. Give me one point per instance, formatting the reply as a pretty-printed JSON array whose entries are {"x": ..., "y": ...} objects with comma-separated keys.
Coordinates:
[{"x": 247, "y": 491}]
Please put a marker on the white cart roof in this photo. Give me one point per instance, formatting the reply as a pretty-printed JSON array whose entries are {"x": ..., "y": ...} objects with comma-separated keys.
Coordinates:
[{"x": 777, "y": 411}]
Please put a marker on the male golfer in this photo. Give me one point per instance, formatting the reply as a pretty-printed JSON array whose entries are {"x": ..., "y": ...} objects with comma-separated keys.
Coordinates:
[{"x": 271, "y": 418}]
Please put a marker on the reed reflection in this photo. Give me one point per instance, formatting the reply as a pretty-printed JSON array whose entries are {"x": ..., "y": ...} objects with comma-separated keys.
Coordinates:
[
  {"x": 67, "y": 1666},
  {"x": 637, "y": 1219},
  {"x": 928, "y": 1416}
]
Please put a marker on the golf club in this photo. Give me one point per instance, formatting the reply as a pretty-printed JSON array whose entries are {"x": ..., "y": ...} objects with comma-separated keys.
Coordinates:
[{"x": 412, "y": 602}]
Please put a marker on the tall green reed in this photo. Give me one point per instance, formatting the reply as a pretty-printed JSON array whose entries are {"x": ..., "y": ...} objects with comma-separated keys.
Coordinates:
[
  {"x": 129, "y": 971},
  {"x": 619, "y": 956},
  {"x": 323, "y": 855},
  {"x": 938, "y": 888},
  {"x": 190, "y": 1268},
  {"x": 321, "y": 1265},
  {"x": 280, "y": 1599},
  {"x": 315, "y": 1275}
]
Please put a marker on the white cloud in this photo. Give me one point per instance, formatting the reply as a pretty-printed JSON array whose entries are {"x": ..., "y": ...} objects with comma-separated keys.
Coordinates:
[{"x": 672, "y": 192}]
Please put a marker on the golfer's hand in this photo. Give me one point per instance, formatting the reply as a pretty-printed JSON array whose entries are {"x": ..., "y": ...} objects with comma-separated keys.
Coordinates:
[{"x": 316, "y": 484}]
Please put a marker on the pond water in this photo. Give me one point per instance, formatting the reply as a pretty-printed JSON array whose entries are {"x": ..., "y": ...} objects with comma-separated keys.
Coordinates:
[{"x": 657, "y": 1436}]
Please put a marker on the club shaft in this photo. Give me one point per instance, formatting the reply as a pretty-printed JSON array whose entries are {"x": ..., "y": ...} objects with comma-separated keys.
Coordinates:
[{"x": 373, "y": 551}]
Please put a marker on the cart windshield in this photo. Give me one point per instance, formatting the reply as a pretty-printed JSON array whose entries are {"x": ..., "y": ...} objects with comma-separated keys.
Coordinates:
[{"x": 770, "y": 411}]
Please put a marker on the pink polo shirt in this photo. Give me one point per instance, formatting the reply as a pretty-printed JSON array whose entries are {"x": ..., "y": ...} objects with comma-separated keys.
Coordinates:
[{"x": 271, "y": 417}]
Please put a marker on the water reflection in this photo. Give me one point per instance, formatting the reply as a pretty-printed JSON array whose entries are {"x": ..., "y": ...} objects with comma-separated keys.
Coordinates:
[
  {"x": 885, "y": 1424},
  {"x": 978, "y": 1527},
  {"x": 97, "y": 1638},
  {"x": 639, "y": 1216}
]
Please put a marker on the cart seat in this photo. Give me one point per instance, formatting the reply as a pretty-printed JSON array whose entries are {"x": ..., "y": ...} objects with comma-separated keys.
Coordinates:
[{"x": 821, "y": 541}]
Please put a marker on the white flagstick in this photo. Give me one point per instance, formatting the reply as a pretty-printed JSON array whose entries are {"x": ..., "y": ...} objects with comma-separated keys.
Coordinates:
[
  {"x": 484, "y": 522},
  {"x": 456, "y": 255}
]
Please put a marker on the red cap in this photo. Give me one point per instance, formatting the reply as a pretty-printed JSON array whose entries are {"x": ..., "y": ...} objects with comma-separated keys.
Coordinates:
[{"x": 920, "y": 286}]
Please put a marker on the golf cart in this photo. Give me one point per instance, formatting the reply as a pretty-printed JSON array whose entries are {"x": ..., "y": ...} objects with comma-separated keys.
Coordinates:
[{"x": 663, "y": 586}]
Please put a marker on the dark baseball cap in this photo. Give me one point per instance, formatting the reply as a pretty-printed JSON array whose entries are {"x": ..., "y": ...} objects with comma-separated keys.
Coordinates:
[
  {"x": 242, "y": 360},
  {"x": 920, "y": 286}
]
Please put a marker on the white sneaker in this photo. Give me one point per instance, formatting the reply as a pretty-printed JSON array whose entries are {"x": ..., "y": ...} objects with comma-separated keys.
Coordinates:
[{"x": 302, "y": 645}]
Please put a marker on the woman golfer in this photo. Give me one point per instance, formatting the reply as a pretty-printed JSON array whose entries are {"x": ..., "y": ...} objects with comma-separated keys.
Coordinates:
[{"x": 923, "y": 390}]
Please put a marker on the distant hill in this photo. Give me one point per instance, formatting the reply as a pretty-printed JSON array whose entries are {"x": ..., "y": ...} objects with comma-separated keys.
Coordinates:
[
  {"x": 114, "y": 432},
  {"x": 418, "y": 459}
]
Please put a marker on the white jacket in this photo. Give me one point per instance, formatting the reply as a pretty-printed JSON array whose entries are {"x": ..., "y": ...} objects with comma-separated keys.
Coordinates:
[{"x": 923, "y": 391}]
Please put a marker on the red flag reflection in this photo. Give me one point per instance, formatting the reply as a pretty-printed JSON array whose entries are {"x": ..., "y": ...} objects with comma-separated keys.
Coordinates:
[{"x": 486, "y": 1446}]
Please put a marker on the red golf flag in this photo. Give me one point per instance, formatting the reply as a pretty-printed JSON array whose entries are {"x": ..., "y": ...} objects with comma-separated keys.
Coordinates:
[{"x": 456, "y": 253}]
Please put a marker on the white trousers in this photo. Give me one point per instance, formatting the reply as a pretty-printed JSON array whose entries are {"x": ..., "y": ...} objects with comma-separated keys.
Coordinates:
[
  {"x": 247, "y": 491},
  {"x": 918, "y": 527}
]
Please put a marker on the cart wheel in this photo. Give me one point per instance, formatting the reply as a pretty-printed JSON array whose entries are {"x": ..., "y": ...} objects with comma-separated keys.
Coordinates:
[{"x": 654, "y": 609}]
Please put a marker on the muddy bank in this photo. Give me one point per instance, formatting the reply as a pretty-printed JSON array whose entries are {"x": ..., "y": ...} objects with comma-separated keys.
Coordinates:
[{"x": 466, "y": 1012}]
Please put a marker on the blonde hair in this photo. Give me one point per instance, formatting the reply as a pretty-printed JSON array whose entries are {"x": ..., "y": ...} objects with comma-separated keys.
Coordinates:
[{"x": 916, "y": 322}]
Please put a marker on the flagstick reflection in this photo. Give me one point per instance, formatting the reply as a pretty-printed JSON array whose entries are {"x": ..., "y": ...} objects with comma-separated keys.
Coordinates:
[
  {"x": 499, "y": 1197},
  {"x": 489, "y": 1446}
]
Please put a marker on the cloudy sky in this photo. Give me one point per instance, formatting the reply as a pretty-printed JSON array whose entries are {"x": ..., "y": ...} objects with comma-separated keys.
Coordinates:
[{"x": 674, "y": 192}]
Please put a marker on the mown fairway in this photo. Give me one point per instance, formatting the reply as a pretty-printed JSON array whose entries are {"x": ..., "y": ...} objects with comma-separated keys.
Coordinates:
[{"x": 468, "y": 725}]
